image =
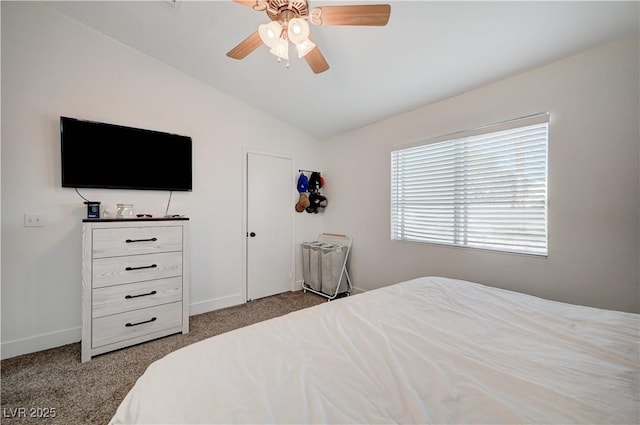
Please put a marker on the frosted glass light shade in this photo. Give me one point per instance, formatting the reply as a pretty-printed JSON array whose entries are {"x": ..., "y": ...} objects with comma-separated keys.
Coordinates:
[
  {"x": 298, "y": 30},
  {"x": 305, "y": 47},
  {"x": 281, "y": 49},
  {"x": 270, "y": 33}
]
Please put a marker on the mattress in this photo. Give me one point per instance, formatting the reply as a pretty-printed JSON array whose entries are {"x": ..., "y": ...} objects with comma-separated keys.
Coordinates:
[{"x": 428, "y": 350}]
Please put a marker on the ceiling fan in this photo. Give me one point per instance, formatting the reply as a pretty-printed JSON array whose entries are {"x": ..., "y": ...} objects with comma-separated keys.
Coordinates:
[{"x": 289, "y": 23}]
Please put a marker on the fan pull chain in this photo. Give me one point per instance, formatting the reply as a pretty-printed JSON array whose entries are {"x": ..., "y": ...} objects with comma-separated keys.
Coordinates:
[{"x": 280, "y": 61}]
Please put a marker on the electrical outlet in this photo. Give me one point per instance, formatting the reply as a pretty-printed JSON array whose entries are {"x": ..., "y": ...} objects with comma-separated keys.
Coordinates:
[{"x": 33, "y": 220}]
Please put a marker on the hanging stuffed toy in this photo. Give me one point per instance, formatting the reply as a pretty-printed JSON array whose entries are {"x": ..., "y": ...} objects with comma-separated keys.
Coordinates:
[
  {"x": 315, "y": 182},
  {"x": 317, "y": 203},
  {"x": 303, "y": 202},
  {"x": 314, "y": 202},
  {"x": 303, "y": 185}
]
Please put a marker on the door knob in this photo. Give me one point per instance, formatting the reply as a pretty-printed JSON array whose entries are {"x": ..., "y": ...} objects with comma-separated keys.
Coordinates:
[{"x": 252, "y": 234}]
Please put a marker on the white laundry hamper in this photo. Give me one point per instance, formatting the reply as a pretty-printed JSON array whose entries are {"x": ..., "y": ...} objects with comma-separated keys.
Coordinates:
[
  {"x": 333, "y": 269},
  {"x": 324, "y": 265},
  {"x": 311, "y": 264}
]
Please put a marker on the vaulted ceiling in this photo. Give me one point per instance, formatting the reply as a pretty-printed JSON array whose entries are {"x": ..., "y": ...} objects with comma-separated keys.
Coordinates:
[{"x": 427, "y": 52}]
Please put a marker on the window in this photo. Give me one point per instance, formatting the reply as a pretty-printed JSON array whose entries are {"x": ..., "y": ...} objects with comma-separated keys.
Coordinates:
[{"x": 484, "y": 188}]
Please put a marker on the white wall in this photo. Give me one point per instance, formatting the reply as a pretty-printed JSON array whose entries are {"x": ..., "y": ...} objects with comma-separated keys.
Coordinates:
[
  {"x": 53, "y": 66},
  {"x": 593, "y": 183}
]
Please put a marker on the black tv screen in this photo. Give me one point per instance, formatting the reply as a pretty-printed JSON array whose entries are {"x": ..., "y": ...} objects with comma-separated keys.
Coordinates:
[{"x": 100, "y": 155}]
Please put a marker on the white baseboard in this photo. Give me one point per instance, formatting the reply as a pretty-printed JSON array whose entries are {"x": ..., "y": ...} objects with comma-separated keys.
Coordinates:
[
  {"x": 55, "y": 339},
  {"x": 216, "y": 304},
  {"x": 357, "y": 290},
  {"x": 31, "y": 344}
]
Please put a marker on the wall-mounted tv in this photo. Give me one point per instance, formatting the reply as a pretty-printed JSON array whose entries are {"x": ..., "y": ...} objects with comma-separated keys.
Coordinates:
[{"x": 100, "y": 155}]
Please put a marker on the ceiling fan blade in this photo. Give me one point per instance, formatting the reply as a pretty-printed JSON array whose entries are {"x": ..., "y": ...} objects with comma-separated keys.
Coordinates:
[
  {"x": 245, "y": 47},
  {"x": 368, "y": 14},
  {"x": 316, "y": 61}
]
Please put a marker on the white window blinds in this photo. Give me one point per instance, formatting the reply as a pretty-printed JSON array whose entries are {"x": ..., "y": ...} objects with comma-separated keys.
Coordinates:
[{"x": 484, "y": 188}]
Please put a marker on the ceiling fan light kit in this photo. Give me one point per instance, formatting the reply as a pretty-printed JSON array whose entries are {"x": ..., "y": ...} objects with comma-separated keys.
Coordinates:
[
  {"x": 280, "y": 49},
  {"x": 289, "y": 24},
  {"x": 270, "y": 33},
  {"x": 298, "y": 30},
  {"x": 305, "y": 47}
]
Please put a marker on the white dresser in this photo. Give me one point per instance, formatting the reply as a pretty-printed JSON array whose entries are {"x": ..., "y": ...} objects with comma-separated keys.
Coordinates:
[{"x": 135, "y": 282}]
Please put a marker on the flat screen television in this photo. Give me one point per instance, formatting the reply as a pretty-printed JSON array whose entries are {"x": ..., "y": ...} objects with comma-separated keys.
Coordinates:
[{"x": 100, "y": 155}]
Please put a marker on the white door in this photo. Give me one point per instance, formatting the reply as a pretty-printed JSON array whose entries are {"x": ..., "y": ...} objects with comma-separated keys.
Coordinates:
[{"x": 270, "y": 207}]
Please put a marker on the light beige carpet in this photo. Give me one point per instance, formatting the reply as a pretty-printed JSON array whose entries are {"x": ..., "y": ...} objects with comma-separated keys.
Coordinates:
[{"x": 55, "y": 383}]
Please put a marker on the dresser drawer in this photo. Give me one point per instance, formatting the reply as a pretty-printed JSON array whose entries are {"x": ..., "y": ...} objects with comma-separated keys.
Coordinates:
[
  {"x": 133, "y": 324},
  {"x": 119, "y": 270},
  {"x": 136, "y": 240},
  {"x": 134, "y": 296}
]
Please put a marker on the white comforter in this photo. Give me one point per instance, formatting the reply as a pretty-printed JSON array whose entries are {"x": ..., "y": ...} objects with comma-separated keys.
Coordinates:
[{"x": 430, "y": 350}]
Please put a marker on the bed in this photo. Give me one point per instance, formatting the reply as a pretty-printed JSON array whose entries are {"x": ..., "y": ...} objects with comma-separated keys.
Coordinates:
[{"x": 428, "y": 350}]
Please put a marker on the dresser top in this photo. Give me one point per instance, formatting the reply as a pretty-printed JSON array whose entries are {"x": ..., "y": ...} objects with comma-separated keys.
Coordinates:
[{"x": 105, "y": 220}]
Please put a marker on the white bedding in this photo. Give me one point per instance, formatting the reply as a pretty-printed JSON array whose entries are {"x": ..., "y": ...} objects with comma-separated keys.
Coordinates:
[{"x": 429, "y": 350}]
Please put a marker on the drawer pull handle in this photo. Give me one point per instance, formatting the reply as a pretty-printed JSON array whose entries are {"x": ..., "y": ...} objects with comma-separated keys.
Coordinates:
[
  {"x": 153, "y": 266},
  {"x": 128, "y": 297},
  {"x": 141, "y": 240},
  {"x": 153, "y": 319}
]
